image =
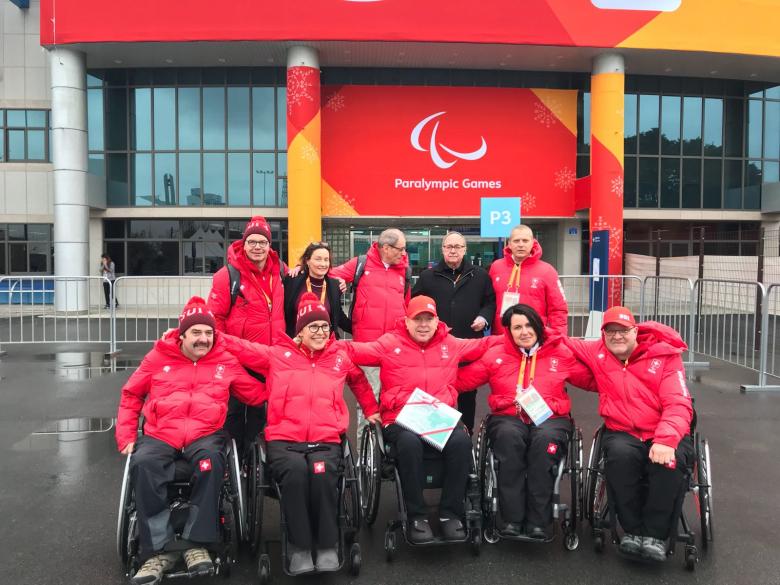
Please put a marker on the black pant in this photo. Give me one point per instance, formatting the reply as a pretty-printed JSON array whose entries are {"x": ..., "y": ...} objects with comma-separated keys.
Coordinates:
[
  {"x": 643, "y": 492},
  {"x": 107, "y": 294},
  {"x": 410, "y": 454},
  {"x": 308, "y": 478},
  {"x": 244, "y": 423},
  {"x": 467, "y": 405},
  {"x": 152, "y": 468},
  {"x": 526, "y": 457}
]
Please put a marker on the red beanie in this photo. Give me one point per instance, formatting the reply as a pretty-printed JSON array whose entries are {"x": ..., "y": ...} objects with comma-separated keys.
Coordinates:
[
  {"x": 310, "y": 309},
  {"x": 257, "y": 225},
  {"x": 196, "y": 313}
]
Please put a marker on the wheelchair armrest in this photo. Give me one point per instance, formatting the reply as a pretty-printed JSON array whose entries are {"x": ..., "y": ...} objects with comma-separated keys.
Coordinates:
[{"x": 379, "y": 437}]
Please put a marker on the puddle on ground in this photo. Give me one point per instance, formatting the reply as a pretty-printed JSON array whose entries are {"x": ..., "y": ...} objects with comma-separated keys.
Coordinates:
[
  {"x": 66, "y": 434},
  {"x": 83, "y": 365}
]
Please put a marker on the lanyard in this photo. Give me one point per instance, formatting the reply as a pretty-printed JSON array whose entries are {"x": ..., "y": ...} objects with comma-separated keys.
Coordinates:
[
  {"x": 521, "y": 377},
  {"x": 324, "y": 288},
  {"x": 262, "y": 290},
  {"x": 514, "y": 277}
]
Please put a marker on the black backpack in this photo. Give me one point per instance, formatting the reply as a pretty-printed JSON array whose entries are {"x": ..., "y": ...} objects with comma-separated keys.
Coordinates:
[
  {"x": 360, "y": 269},
  {"x": 235, "y": 281}
]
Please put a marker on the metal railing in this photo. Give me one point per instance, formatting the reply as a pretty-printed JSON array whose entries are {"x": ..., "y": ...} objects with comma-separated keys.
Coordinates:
[{"x": 580, "y": 289}]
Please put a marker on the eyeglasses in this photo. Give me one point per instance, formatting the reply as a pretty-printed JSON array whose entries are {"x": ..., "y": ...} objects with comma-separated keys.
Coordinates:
[
  {"x": 400, "y": 249},
  {"x": 257, "y": 243},
  {"x": 457, "y": 247},
  {"x": 612, "y": 333},
  {"x": 313, "y": 328}
]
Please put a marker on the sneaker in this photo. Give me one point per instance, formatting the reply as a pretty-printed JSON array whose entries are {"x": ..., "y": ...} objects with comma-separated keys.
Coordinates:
[
  {"x": 198, "y": 561},
  {"x": 653, "y": 548},
  {"x": 452, "y": 529},
  {"x": 537, "y": 532},
  {"x": 328, "y": 559},
  {"x": 300, "y": 561},
  {"x": 420, "y": 531},
  {"x": 512, "y": 529},
  {"x": 631, "y": 544},
  {"x": 154, "y": 568}
]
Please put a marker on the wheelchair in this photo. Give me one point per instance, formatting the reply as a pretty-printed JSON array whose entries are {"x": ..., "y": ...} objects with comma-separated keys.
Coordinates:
[
  {"x": 231, "y": 512},
  {"x": 378, "y": 465},
  {"x": 601, "y": 514},
  {"x": 260, "y": 484},
  {"x": 568, "y": 514}
]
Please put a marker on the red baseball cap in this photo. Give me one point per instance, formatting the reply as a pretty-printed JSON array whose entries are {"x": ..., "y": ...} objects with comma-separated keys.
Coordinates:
[
  {"x": 619, "y": 315},
  {"x": 421, "y": 304}
]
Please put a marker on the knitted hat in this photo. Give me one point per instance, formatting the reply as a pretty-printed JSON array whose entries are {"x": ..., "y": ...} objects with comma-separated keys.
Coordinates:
[
  {"x": 257, "y": 225},
  {"x": 618, "y": 315},
  {"x": 310, "y": 309},
  {"x": 196, "y": 313}
]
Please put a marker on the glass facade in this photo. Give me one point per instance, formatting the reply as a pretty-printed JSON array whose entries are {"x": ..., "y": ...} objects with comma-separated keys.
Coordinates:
[
  {"x": 26, "y": 248},
  {"x": 189, "y": 137},
  {"x": 25, "y": 135}
]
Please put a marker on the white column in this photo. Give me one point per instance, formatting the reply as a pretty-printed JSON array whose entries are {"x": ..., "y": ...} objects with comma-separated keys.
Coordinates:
[{"x": 69, "y": 159}]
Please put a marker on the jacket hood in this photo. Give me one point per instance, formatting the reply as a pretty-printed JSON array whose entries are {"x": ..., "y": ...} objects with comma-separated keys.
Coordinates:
[
  {"x": 237, "y": 258},
  {"x": 655, "y": 338},
  {"x": 441, "y": 332},
  {"x": 373, "y": 252},
  {"x": 536, "y": 253}
]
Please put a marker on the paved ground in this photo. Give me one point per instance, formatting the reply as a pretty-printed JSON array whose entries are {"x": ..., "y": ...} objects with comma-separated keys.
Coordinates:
[{"x": 58, "y": 492}]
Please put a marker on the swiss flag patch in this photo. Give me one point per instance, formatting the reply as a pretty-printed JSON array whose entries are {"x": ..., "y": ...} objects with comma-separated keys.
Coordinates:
[
  {"x": 319, "y": 467},
  {"x": 672, "y": 464},
  {"x": 552, "y": 448},
  {"x": 204, "y": 465}
]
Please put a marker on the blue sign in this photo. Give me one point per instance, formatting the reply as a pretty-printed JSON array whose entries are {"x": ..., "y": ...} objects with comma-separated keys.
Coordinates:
[
  {"x": 498, "y": 215},
  {"x": 599, "y": 269}
]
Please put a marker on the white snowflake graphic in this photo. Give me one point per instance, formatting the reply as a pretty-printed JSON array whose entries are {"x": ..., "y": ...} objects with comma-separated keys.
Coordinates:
[
  {"x": 299, "y": 87},
  {"x": 564, "y": 179},
  {"x": 336, "y": 102},
  {"x": 616, "y": 186},
  {"x": 309, "y": 153},
  {"x": 547, "y": 114},
  {"x": 599, "y": 225},
  {"x": 347, "y": 198},
  {"x": 615, "y": 241},
  {"x": 528, "y": 202}
]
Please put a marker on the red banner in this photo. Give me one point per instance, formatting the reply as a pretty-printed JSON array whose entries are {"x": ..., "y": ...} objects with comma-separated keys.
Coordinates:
[{"x": 419, "y": 151}]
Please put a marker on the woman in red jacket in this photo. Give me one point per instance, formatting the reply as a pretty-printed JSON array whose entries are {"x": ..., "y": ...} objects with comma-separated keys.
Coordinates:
[
  {"x": 307, "y": 416},
  {"x": 528, "y": 360}
]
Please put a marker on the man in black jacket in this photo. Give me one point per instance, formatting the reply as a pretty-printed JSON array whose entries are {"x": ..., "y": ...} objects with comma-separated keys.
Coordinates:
[{"x": 464, "y": 298}]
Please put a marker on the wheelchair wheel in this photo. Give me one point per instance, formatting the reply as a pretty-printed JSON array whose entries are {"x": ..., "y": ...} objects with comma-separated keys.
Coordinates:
[
  {"x": 255, "y": 469},
  {"x": 231, "y": 533},
  {"x": 703, "y": 476},
  {"x": 575, "y": 477},
  {"x": 264, "y": 569},
  {"x": 352, "y": 511},
  {"x": 236, "y": 489},
  {"x": 370, "y": 473},
  {"x": 391, "y": 544},
  {"x": 595, "y": 484},
  {"x": 123, "y": 516},
  {"x": 355, "y": 559}
]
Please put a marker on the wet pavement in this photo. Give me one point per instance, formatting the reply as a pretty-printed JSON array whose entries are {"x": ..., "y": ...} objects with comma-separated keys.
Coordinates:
[{"x": 61, "y": 475}]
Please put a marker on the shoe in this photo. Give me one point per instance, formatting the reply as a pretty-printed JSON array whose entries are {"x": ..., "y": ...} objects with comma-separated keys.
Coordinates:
[
  {"x": 154, "y": 568},
  {"x": 328, "y": 559},
  {"x": 452, "y": 529},
  {"x": 106, "y": 307},
  {"x": 653, "y": 548},
  {"x": 631, "y": 544},
  {"x": 300, "y": 561},
  {"x": 511, "y": 529},
  {"x": 537, "y": 532},
  {"x": 198, "y": 562},
  {"x": 420, "y": 531}
]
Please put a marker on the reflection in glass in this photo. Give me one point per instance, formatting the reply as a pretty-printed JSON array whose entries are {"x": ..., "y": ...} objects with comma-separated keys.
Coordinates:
[
  {"x": 264, "y": 191},
  {"x": 281, "y": 117},
  {"x": 155, "y": 229},
  {"x": 282, "y": 164},
  {"x": 771, "y": 130},
  {"x": 36, "y": 147},
  {"x": 189, "y": 118},
  {"x": 629, "y": 182},
  {"x": 202, "y": 256},
  {"x": 771, "y": 172},
  {"x": 214, "y": 118},
  {"x": 713, "y": 127},
  {"x": 142, "y": 108},
  {"x": 773, "y": 92},
  {"x": 238, "y": 118},
  {"x": 141, "y": 165},
  {"x": 712, "y": 184},
  {"x": 36, "y": 118},
  {"x": 116, "y": 183},
  {"x": 691, "y": 183},
  {"x": 16, "y": 118},
  {"x": 189, "y": 178},
  {"x": 670, "y": 183},
  {"x": 18, "y": 253},
  {"x": 648, "y": 182},
  {"x": 732, "y": 195},
  {"x": 753, "y": 184},
  {"x": 238, "y": 178},
  {"x": 164, "y": 118},
  {"x": 734, "y": 110},
  {"x": 39, "y": 256},
  {"x": 15, "y": 144},
  {"x": 754, "y": 123},
  {"x": 211, "y": 231},
  {"x": 153, "y": 258},
  {"x": 96, "y": 165},
  {"x": 165, "y": 179},
  {"x": 691, "y": 126},
  {"x": 648, "y": 126},
  {"x": 214, "y": 179},
  {"x": 670, "y": 124},
  {"x": 95, "y": 119},
  {"x": 263, "y": 118},
  {"x": 629, "y": 123}
]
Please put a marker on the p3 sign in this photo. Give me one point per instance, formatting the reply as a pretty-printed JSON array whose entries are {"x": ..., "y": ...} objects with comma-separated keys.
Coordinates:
[{"x": 498, "y": 215}]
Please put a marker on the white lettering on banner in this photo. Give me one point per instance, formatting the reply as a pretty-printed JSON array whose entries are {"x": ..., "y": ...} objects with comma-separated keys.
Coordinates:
[{"x": 446, "y": 184}]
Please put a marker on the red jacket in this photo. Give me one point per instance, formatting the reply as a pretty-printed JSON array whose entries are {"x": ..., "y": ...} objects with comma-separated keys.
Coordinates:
[
  {"x": 381, "y": 297},
  {"x": 250, "y": 318},
  {"x": 539, "y": 288},
  {"x": 305, "y": 390},
  {"x": 501, "y": 366},
  {"x": 182, "y": 400},
  {"x": 647, "y": 396},
  {"x": 406, "y": 365}
]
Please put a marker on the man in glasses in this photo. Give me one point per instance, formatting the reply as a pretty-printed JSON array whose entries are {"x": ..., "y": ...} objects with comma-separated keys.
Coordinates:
[
  {"x": 465, "y": 298},
  {"x": 247, "y": 300},
  {"x": 647, "y": 411}
]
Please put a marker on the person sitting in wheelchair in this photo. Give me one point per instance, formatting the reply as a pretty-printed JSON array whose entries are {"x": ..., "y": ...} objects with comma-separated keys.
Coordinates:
[
  {"x": 421, "y": 353},
  {"x": 307, "y": 417},
  {"x": 530, "y": 358},
  {"x": 182, "y": 388},
  {"x": 647, "y": 412}
]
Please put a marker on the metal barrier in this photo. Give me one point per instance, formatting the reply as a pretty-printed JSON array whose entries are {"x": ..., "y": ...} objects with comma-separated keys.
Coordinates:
[
  {"x": 769, "y": 361},
  {"x": 580, "y": 289}
]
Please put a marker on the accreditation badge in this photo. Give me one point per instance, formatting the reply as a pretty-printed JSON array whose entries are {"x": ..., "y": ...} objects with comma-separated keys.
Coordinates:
[
  {"x": 509, "y": 299},
  {"x": 533, "y": 404}
]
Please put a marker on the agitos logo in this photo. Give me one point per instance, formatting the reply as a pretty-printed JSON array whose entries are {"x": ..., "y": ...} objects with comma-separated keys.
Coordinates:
[{"x": 434, "y": 147}]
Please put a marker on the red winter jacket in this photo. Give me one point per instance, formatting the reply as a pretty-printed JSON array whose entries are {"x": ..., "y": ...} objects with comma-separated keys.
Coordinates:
[
  {"x": 539, "y": 288},
  {"x": 500, "y": 367},
  {"x": 305, "y": 390},
  {"x": 647, "y": 396},
  {"x": 381, "y": 299},
  {"x": 406, "y": 365},
  {"x": 182, "y": 400},
  {"x": 250, "y": 318}
]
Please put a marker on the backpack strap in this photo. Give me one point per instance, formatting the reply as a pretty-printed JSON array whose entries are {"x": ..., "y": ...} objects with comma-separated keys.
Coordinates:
[
  {"x": 360, "y": 268},
  {"x": 235, "y": 283}
]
